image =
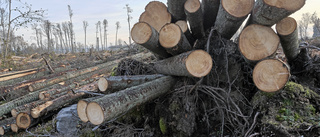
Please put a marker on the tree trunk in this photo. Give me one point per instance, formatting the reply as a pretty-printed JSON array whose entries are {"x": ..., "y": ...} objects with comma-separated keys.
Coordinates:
[
  {"x": 54, "y": 104},
  {"x": 268, "y": 13},
  {"x": 24, "y": 120},
  {"x": 210, "y": 10},
  {"x": 82, "y": 106},
  {"x": 172, "y": 38},
  {"x": 18, "y": 75},
  {"x": 5, "y": 125},
  {"x": 257, "y": 42},
  {"x": 288, "y": 33},
  {"x": 184, "y": 27},
  {"x": 121, "y": 82},
  {"x": 143, "y": 34},
  {"x": 156, "y": 15},
  {"x": 107, "y": 66},
  {"x": 112, "y": 105},
  {"x": 195, "y": 17},
  {"x": 17, "y": 72},
  {"x": 176, "y": 8},
  {"x": 197, "y": 63},
  {"x": 231, "y": 15},
  {"x": 270, "y": 75}
]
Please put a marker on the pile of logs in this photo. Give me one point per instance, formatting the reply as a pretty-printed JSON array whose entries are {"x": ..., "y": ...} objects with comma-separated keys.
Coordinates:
[{"x": 171, "y": 34}]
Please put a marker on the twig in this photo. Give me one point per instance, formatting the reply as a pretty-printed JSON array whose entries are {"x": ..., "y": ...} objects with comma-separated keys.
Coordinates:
[
  {"x": 49, "y": 66},
  {"x": 253, "y": 124}
]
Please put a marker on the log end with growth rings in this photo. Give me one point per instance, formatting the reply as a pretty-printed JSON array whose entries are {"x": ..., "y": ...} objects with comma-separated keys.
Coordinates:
[
  {"x": 141, "y": 32},
  {"x": 290, "y": 5},
  {"x": 81, "y": 110},
  {"x": 257, "y": 42},
  {"x": 286, "y": 26},
  {"x": 95, "y": 113},
  {"x": 170, "y": 35},
  {"x": 238, "y": 8},
  {"x": 23, "y": 120},
  {"x": 14, "y": 113},
  {"x": 30, "y": 88},
  {"x": 102, "y": 84},
  {"x": 270, "y": 75},
  {"x": 183, "y": 25},
  {"x": 14, "y": 128},
  {"x": 199, "y": 63},
  {"x": 192, "y": 5}
]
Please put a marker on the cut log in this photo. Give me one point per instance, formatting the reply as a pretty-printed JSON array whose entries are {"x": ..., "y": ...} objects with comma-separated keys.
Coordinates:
[
  {"x": 14, "y": 127},
  {"x": 24, "y": 120},
  {"x": 156, "y": 15},
  {"x": 184, "y": 27},
  {"x": 122, "y": 82},
  {"x": 288, "y": 33},
  {"x": 107, "y": 66},
  {"x": 112, "y": 105},
  {"x": 176, "y": 8},
  {"x": 82, "y": 106},
  {"x": 54, "y": 104},
  {"x": 197, "y": 63},
  {"x": 231, "y": 15},
  {"x": 257, "y": 42},
  {"x": 172, "y": 38},
  {"x": 4, "y": 129},
  {"x": 145, "y": 35},
  {"x": 270, "y": 75},
  {"x": 5, "y": 125},
  {"x": 18, "y": 72},
  {"x": 18, "y": 75},
  {"x": 210, "y": 10},
  {"x": 270, "y": 12},
  {"x": 195, "y": 17}
]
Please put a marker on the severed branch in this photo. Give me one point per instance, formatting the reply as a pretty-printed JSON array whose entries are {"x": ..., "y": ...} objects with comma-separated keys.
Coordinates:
[{"x": 49, "y": 66}]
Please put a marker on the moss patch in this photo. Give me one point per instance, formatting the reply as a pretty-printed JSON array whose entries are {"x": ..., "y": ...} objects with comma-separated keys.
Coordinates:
[{"x": 162, "y": 125}]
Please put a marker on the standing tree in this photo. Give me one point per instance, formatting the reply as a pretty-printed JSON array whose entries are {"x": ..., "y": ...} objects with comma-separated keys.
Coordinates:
[
  {"x": 65, "y": 28},
  {"x": 303, "y": 25},
  {"x": 105, "y": 25},
  {"x": 85, "y": 25},
  {"x": 60, "y": 34},
  {"x": 316, "y": 24},
  {"x": 71, "y": 29},
  {"x": 117, "y": 28},
  {"x": 97, "y": 31},
  {"x": 99, "y": 25},
  {"x": 129, "y": 10},
  {"x": 46, "y": 27}
]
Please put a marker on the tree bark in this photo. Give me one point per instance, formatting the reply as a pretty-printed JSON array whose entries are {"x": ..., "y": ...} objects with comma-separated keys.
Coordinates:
[
  {"x": 197, "y": 63},
  {"x": 112, "y": 105},
  {"x": 210, "y": 10},
  {"x": 107, "y": 66},
  {"x": 55, "y": 104},
  {"x": 271, "y": 75},
  {"x": 184, "y": 27},
  {"x": 5, "y": 125},
  {"x": 268, "y": 13},
  {"x": 288, "y": 33},
  {"x": 195, "y": 17},
  {"x": 156, "y": 15},
  {"x": 145, "y": 35},
  {"x": 172, "y": 38},
  {"x": 121, "y": 82},
  {"x": 257, "y": 42},
  {"x": 176, "y": 8},
  {"x": 231, "y": 15},
  {"x": 81, "y": 108}
]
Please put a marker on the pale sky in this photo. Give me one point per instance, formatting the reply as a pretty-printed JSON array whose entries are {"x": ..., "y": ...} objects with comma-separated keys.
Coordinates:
[{"x": 112, "y": 10}]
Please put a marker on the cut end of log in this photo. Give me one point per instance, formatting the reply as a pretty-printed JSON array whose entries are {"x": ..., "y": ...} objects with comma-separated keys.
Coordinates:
[
  {"x": 170, "y": 35},
  {"x": 23, "y": 120},
  {"x": 141, "y": 32},
  {"x": 1, "y": 131},
  {"x": 103, "y": 84},
  {"x": 270, "y": 75},
  {"x": 30, "y": 88},
  {"x": 238, "y": 8},
  {"x": 95, "y": 113},
  {"x": 290, "y": 5},
  {"x": 81, "y": 109},
  {"x": 155, "y": 5},
  {"x": 14, "y": 128},
  {"x": 192, "y": 6},
  {"x": 183, "y": 25},
  {"x": 286, "y": 26},
  {"x": 14, "y": 113},
  {"x": 199, "y": 63},
  {"x": 257, "y": 42}
]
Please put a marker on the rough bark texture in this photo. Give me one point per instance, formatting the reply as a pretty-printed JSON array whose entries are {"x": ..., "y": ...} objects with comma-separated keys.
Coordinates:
[
  {"x": 195, "y": 17},
  {"x": 288, "y": 33},
  {"x": 210, "y": 10},
  {"x": 271, "y": 75},
  {"x": 173, "y": 40},
  {"x": 230, "y": 18},
  {"x": 196, "y": 63},
  {"x": 81, "y": 108},
  {"x": 143, "y": 34},
  {"x": 112, "y": 105},
  {"x": 121, "y": 82},
  {"x": 176, "y": 8},
  {"x": 269, "y": 13}
]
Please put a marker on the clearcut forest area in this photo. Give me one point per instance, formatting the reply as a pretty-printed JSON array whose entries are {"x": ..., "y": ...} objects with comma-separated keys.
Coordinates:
[{"x": 218, "y": 68}]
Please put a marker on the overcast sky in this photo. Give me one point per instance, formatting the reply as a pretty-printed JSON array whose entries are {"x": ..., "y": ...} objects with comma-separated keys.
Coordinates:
[{"x": 112, "y": 10}]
